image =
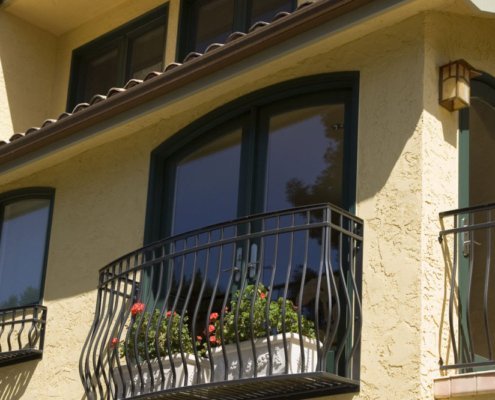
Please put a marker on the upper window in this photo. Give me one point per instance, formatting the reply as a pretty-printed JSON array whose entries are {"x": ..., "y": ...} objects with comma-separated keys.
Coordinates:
[
  {"x": 24, "y": 234},
  {"x": 128, "y": 52},
  {"x": 295, "y": 150},
  {"x": 208, "y": 21}
]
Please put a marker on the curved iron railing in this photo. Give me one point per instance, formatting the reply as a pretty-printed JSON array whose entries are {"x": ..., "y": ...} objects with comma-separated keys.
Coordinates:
[
  {"x": 272, "y": 299},
  {"x": 468, "y": 238},
  {"x": 22, "y": 334}
]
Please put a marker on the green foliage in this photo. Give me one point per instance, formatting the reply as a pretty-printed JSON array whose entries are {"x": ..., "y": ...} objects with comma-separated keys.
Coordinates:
[
  {"x": 268, "y": 318},
  {"x": 252, "y": 311},
  {"x": 147, "y": 327}
]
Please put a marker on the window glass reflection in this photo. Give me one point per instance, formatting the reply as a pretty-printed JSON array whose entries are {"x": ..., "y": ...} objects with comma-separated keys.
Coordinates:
[
  {"x": 305, "y": 157},
  {"x": 214, "y": 22},
  {"x": 265, "y": 10},
  {"x": 481, "y": 191},
  {"x": 207, "y": 182},
  {"x": 147, "y": 52},
  {"x": 22, "y": 250},
  {"x": 102, "y": 72}
]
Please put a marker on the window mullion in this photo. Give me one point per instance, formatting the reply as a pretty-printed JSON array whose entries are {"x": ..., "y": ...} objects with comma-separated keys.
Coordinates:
[
  {"x": 124, "y": 59},
  {"x": 259, "y": 159},
  {"x": 241, "y": 15}
]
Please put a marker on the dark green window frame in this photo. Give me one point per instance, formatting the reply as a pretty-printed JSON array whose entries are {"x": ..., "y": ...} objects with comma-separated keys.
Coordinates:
[
  {"x": 340, "y": 86},
  {"x": 120, "y": 39},
  {"x": 189, "y": 21},
  {"x": 35, "y": 193}
]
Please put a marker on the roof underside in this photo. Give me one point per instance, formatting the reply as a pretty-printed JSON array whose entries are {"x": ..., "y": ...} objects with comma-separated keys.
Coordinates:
[{"x": 57, "y": 16}]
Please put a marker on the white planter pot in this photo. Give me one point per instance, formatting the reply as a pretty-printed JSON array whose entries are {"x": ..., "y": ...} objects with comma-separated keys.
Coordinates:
[
  {"x": 293, "y": 360},
  {"x": 146, "y": 372}
]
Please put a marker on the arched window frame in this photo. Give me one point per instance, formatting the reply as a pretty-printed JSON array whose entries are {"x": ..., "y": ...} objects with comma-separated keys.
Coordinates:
[
  {"x": 27, "y": 194},
  {"x": 159, "y": 196}
]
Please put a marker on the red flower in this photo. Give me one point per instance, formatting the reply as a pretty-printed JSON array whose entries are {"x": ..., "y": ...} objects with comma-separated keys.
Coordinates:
[
  {"x": 213, "y": 339},
  {"x": 211, "y": 328},
  {"x": 137, "y": 308},
  {"x": 263, "y": 295},
  {"x": 114, "y": 342},
  {"x": 213, "y": 316},
  {"x": 169, "y": 313}
]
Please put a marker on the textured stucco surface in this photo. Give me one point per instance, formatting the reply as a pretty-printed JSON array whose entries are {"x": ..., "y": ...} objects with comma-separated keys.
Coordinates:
[
  {"x": 407, "y": 173},
  {"x": 474, "y": 43},
  {"x": 27, "y": 63},
  {"x": 35, "y": 63}
]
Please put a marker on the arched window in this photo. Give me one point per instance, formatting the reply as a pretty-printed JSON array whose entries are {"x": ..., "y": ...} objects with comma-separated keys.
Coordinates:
[
  {"x": 25, "y": 217},
  {"x": 288, "y": 145},
  {"x": 285, "y": 147}
]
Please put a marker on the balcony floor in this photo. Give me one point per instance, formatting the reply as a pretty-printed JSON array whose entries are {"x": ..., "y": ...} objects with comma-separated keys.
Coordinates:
[
  {"x": 13, "y": 357},
  {"x": 296, "y": 386}
]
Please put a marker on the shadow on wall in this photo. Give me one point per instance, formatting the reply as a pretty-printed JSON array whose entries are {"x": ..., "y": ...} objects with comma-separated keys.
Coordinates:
[{"x": 14, "y": 380}]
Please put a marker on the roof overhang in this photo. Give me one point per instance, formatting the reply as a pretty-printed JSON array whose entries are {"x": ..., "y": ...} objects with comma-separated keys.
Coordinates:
[
  {"x": 57, "y": 16},
  {"x": 122, "y": 101},
  {"x": 484, "y": 5}
]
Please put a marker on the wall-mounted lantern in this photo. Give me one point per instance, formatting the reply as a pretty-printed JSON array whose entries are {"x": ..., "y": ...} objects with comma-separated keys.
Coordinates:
[{"x": 455, "y": 86}]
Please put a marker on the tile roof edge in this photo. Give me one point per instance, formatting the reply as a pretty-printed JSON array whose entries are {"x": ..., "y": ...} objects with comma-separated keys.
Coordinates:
[{"x": 121, "y": 100}]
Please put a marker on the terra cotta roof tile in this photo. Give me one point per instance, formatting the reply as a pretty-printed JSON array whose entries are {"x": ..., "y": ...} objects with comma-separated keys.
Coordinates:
[{"x": 333, "y": 8}]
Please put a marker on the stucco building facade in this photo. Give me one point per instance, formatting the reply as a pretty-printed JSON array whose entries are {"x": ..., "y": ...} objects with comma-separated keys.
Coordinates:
[{"x": 108, "y": 169}]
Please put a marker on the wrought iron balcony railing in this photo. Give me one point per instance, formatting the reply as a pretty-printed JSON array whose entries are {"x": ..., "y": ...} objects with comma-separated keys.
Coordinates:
[
  {"x": 22, "y": 334},
  {"x": 468, "y": 240},
  {"x": 261, "y": 307}
]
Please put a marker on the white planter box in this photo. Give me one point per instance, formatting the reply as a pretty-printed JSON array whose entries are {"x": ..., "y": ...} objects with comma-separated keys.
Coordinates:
[
  {"x": 180, "y": 376},
  {"x": 279, "y": 360}
]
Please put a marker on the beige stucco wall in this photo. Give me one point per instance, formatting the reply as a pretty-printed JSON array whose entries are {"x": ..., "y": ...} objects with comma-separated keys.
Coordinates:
[
  {"x": 27, "y": 65},
  {"x": 471, "y": 41},
  {"x": 35, "y": 64},
  {"x": 407, "y": 162}
]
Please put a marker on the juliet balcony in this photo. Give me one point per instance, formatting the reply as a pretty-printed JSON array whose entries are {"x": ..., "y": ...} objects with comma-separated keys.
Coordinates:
[
  {"x": 468, "y": 353},
  {"x": 267, "y": 306},
  {"x": 22, "y": 334}
]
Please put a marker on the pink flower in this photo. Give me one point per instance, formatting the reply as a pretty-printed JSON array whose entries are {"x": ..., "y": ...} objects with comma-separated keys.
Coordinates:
[
  {"x": 137, "y": 308},
  {"x": 199, "y": 338},
  {"x": 213, "y": 339},
  {"x": 263, "y": 295},
  {"x": 213, "y": 316},
  {"x": 114, "y": 342},
  {"x": 211, "y": 328}
]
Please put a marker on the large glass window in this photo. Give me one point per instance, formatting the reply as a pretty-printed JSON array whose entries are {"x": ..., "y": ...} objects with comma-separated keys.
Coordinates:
[
  {"x": 205, "y": 189},
  {"x": 286, "y": 153},
  {"x": 208, "y": 21},
  {"x": 289, "y": 146},
  {"x": 128, "y": 52},
  {"x": 24, "y": 230}
]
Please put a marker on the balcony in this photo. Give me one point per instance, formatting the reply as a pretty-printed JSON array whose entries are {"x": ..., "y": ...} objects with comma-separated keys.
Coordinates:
[
  {"x": 267, "y": 306},
  {"x": 22, "y": 333},
  {"x": 468, "y": 242}
]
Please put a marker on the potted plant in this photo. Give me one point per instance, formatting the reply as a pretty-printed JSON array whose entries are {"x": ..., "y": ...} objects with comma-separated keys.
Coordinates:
[
  {"x": 157, "y": 346},
  {"x": 259, "y": 336}
]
